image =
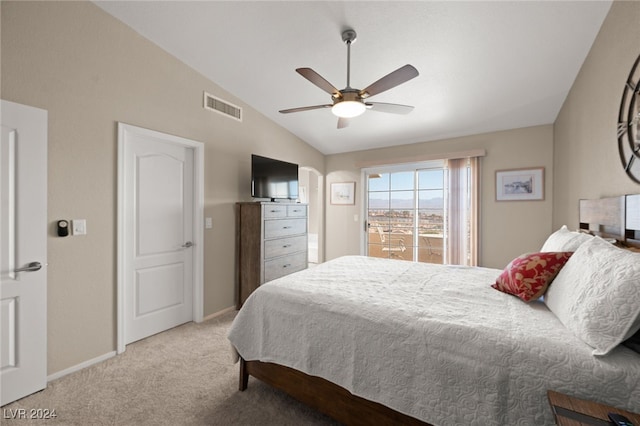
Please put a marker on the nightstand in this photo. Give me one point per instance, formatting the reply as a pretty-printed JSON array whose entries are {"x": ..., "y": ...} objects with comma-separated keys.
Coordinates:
[{"x": 570, "y": 411}]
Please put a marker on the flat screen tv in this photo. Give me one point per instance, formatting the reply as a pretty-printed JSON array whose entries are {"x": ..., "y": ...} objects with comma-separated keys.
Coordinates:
[{"x": 273, "y": 179}]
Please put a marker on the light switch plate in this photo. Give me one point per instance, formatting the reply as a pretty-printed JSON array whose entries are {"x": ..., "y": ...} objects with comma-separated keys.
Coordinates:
[{"x": 79, "y": 226}]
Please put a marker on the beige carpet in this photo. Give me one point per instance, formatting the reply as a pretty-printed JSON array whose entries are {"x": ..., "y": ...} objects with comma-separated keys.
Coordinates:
[{"x": 183, "y": 376}]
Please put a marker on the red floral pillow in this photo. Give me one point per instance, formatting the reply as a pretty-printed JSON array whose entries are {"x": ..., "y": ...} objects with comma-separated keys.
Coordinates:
[{"x": 529, "y": 275}]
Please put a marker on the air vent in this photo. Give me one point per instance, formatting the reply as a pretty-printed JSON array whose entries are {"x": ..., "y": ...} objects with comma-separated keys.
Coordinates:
[{"x": 222, "y": 107}]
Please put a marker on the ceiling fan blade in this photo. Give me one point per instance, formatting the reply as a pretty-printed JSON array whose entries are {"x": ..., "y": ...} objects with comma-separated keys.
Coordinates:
[
  {"x": 343, "y": 122},
  {"x": 319, "y": 81},
  {"x": 392, "y": 108},
  {"x": 308, "y": 108},
  {"x": 391, "y": 80}
]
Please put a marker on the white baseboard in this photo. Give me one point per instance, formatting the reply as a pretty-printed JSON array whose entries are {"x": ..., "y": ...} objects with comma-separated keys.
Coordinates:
[
  {"x": 217, "y": 314},
  {"x": 81, "y": 366}
]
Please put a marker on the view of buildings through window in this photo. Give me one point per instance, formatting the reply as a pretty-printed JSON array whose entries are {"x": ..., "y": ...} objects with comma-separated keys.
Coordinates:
[{"x": 406, "y": 214}]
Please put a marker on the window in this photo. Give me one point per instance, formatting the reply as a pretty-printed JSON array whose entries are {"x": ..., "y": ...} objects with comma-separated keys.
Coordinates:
[{"x": 423, "y": 212}]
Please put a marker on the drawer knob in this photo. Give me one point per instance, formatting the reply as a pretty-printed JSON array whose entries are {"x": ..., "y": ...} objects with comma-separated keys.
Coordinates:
[
  {"x": 286, "y": 227},
  {"x": 286, "y": 246},
  {"x": 286, "y": 266}
]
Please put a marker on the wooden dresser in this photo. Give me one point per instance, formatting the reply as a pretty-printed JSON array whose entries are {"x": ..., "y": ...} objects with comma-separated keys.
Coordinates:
[{"x": 271, "y": 243}]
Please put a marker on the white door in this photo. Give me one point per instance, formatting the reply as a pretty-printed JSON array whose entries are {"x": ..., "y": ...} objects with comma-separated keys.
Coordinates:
[
  {"x": 23, "y": 251},
  {"x": 159, "y": 232}
]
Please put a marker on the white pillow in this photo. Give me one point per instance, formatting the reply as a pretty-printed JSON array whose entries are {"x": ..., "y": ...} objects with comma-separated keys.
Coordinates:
[
  {"x": 565, "y": 240},
  {"x": 596, "y": 294}
]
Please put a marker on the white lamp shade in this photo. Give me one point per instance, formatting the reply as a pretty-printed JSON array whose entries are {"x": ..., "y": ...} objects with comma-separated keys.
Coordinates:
[{"x": 348, "y": 109}]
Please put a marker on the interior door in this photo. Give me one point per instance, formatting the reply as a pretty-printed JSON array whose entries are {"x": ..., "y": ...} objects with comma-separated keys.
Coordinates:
[
  {"x": 23, "y": 251},
  {"x": 159, "y": 186}
]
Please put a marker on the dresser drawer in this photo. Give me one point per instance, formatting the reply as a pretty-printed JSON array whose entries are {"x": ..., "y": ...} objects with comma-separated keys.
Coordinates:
[
  {"x": 297, "y": 211},
  {"x": 284, "y": 227},
  {"x": 286, "y": 265},
  {"x": 283, "y": 246},
  {"x": 274, "y": 211}
]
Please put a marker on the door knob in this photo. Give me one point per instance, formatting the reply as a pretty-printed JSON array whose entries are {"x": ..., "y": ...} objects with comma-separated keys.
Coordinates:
[
  {"x": 187, "y": 244},
  {"x": 31, "y": 267}
]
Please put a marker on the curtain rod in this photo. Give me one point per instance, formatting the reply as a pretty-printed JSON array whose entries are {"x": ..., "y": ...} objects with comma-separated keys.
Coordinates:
[{"x": 419, "y": 158}]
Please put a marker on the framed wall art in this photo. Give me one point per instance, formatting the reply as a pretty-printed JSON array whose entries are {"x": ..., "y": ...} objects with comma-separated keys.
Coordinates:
[
  {"x": 520, "y": 184},
  {"x": 343, "y": 193}
]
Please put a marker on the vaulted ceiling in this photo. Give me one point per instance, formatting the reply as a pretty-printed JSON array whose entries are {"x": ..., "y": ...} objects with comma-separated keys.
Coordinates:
[{"x": 484, "y": 65}]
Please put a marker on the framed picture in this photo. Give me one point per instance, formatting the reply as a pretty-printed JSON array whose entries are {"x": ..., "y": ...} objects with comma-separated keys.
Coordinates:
[
  {"x": 520, "y": 184},
  {"x": 343, "y": 193}
]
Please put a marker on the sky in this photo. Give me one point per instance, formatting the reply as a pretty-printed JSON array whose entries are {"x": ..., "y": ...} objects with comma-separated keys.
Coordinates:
[{"x": 396, "y": 189}]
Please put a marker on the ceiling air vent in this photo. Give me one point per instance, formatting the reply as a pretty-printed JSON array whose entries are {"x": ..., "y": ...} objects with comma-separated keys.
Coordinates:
[{"x": 222, "y": 107}]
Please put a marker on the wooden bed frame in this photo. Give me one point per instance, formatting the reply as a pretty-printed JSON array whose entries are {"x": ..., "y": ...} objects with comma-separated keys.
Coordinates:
[
  {"x": 616, "y": 217},
  {"x": 324, "y": 396}
]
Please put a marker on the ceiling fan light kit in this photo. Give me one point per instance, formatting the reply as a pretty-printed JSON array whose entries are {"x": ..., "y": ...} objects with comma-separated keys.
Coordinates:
[
  {"x": 349, "y": 102},
  {"x": 349, "y": 108}
]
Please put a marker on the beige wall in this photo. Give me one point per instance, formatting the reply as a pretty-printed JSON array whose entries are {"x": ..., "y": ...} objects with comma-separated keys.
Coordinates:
[
  {"x": 91, "y": 71},
  {"x": 507, "y": 229},
  {"x": 586, "y": 161}
]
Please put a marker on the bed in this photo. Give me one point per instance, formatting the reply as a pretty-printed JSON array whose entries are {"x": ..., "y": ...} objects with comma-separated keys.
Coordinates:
[{"x": 383, "y": 341}]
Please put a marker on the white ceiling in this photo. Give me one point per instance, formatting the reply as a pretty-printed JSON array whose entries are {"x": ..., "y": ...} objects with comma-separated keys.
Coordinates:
[{"x": 484, "y": 65}]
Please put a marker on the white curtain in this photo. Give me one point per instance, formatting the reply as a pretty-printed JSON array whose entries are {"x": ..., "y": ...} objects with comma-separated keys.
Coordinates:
[{"x": 462, "y": 207}]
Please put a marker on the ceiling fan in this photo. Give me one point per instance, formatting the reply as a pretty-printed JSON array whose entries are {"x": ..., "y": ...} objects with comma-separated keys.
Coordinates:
[{"x": 350, "y": 102}]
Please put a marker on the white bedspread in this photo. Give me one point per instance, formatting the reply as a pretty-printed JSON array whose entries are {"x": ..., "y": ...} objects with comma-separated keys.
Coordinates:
[{"x": 434, "y": 342}]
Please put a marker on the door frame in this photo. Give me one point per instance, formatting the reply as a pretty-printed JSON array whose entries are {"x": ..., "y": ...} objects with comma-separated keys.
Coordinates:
[
  {"x": 198, "y": 222},
  {"x": 315, "y": 216}
]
